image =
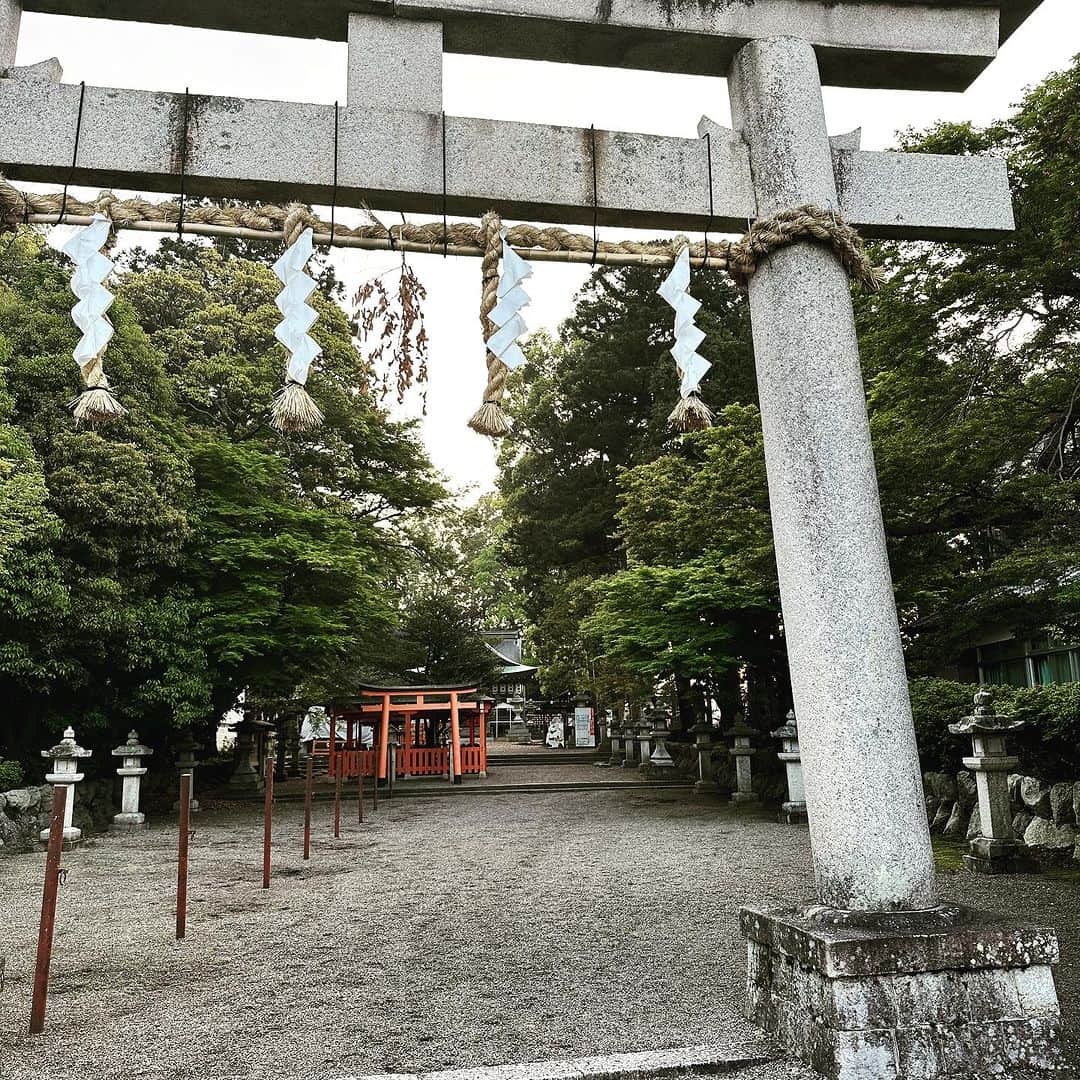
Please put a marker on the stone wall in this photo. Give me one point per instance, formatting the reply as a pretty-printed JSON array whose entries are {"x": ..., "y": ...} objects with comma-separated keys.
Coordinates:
[
  {"x": 24, "y": 812},
  {"x": 1045, "y": 815}
]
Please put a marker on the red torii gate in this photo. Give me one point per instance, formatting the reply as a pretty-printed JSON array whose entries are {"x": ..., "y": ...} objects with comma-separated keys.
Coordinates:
[{"x": 421, "y": 752}]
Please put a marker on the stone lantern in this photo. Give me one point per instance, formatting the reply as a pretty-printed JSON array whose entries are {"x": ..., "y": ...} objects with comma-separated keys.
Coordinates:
[
  {"x": 996, "y": 850},
  {"x": 131, "y": 771},
  {"x": 661, "y": 758},
  {"x": 792, "y": 812},
  {"x": 742, "y": 751},
  {"x": 703, "y": 743},
  {"x": 629, "y": 740},
  {"x": 247, "y": 774},
  {"x": 187, "y": 762},
  {"x": 616, "y": 736},
  {"x": 644, "y": 735},
  {"x": 65, "y": 757}
]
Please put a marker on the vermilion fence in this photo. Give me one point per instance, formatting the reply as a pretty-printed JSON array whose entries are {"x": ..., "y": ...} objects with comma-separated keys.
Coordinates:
[{"x": 420, "y": 761}]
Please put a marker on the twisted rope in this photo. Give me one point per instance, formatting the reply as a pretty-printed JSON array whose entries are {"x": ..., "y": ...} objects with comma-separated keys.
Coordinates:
[
  {"x": 740, "y": 258},
  {"x": 490, "y": 418}
]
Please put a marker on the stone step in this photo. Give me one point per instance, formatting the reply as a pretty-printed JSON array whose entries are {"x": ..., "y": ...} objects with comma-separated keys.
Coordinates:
[
  {"x": 407, "y": 789},
  {"x": 642, "y": 1065},
  {"x": 555, "y": 757}
]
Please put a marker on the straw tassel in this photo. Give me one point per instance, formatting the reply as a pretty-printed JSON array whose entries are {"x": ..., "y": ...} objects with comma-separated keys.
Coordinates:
[
  {"x": 294, "y": 410},
  {"x": 691, "y": 414}
]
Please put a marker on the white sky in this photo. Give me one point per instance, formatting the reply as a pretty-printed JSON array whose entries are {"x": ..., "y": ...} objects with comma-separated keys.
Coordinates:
[{"x": 171, "y": 58}]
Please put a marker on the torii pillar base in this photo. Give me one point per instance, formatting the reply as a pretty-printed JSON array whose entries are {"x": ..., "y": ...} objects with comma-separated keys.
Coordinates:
[{"x": 928, "y": 995}]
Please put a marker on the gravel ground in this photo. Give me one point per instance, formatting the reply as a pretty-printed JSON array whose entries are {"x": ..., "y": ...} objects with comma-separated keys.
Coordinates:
[{"x": 441, "y": 934}]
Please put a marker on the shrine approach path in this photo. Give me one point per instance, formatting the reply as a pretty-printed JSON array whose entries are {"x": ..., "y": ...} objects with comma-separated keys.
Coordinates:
[{"x": 443, "y": 933}]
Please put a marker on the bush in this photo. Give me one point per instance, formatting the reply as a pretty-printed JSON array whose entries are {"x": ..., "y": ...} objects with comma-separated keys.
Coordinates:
[
  {"x": 1049, "y": 747},
  {"x": 11, "y": 775}
]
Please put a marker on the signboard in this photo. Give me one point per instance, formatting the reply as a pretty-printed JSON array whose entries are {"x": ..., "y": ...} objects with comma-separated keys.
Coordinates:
[{"x": 584, "y": 727}]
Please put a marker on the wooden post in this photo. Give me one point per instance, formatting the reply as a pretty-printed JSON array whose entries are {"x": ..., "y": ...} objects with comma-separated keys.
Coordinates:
[
  {"x": 455, "y": 739},
  {"x": 384, "y": 739},
  {"x": 182, "y": 861},
  {"x": 308, "y": 780},
  {"x": 360, "y": 780},
  {"x": 375, "y": 785},
  {"x": 268, "y": 820},
  {"x": 337, "y": 805},
  {"x": 48, "y": 909},
  {"x": 333, "y": 742}
]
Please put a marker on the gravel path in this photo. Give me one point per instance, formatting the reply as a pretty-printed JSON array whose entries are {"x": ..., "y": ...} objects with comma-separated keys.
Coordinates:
[{"x": 444, "y": 933}]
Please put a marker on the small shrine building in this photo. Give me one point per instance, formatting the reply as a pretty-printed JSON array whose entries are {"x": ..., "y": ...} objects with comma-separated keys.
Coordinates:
[{"x": 439, "y": 731}]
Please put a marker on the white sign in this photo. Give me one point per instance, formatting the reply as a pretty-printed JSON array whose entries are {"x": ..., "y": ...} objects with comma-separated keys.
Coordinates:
[{"x": 584, "y": 727}]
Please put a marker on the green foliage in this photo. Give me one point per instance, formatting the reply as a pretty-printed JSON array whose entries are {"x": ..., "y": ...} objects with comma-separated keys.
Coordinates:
[
  {"x": 440, "y": 643},
  {"x": 11, "y": 775},
  {"x": 151, "y": 571},
  {"x": 1048, "y": 747},
  {"x": 588, "y": 405},
  {"x": 935, "y": 704}
]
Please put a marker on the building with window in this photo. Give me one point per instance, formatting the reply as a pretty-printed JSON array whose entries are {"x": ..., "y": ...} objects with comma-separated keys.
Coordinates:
[{"x": 1027, "y": 661}]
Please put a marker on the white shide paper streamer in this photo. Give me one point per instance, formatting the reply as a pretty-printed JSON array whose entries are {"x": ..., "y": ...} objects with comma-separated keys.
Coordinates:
[
  {"x": 507, "y": 313},
  {"x": 298, "y": 316},
  {"x": 675, "y": 290}
]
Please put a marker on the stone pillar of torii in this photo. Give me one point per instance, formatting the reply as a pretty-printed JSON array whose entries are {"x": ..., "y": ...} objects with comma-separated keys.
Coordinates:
[{"x": 877, "y": 978}]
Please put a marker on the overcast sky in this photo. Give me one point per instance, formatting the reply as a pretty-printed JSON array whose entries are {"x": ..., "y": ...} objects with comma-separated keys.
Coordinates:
[{"x": 171, "y": 58}]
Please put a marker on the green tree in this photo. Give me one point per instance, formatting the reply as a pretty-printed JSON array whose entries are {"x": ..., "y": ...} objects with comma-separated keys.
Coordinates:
[{"x": 154, "y": 570}]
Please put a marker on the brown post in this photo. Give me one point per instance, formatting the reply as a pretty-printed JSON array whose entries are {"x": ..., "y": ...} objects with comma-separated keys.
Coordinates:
[
  {"x": 307, "y": 810},
  {"x": 181, "y": 865},
  {"x": 375, "y": 785},
  {"x": 337, "y": 803},
  {"x": 48, "y": 909},
  {"x": 268, "y": 819},
  {"x": 360, "y": 779}
]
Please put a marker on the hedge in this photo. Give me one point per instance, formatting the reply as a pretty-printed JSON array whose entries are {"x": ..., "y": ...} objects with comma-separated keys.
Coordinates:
[{"x": 1049, "y": 747}]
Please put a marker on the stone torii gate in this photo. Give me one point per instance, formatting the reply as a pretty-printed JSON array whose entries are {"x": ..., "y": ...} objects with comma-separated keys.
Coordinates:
[{"x": 877, "y": 979}]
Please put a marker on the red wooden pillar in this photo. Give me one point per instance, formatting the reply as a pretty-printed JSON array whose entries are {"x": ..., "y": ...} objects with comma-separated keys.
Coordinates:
[
  {"x": 483, "y": 738},
  {"x": 384, "y": 737},
  {"x": 455, "y": 737}
]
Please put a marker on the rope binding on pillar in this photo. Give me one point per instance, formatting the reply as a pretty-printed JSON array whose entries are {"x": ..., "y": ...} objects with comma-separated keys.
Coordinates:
[{"x": 491, "y": 419}]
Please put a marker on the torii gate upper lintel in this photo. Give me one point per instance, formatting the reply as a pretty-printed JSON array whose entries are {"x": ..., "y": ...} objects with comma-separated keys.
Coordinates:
[{"x": 874, "y": 954}]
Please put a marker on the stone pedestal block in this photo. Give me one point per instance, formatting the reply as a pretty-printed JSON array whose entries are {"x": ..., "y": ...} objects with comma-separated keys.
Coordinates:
[
  {"x": 629, "y": 743},
  {"x": 616, "y": 746},
  {"x": 906, "y": 996}
]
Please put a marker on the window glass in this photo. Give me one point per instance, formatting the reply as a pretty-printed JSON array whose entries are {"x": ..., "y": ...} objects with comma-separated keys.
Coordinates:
[
  {"x": 1053, "y": 668},
  {"x": 1006, "y": 673}
]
